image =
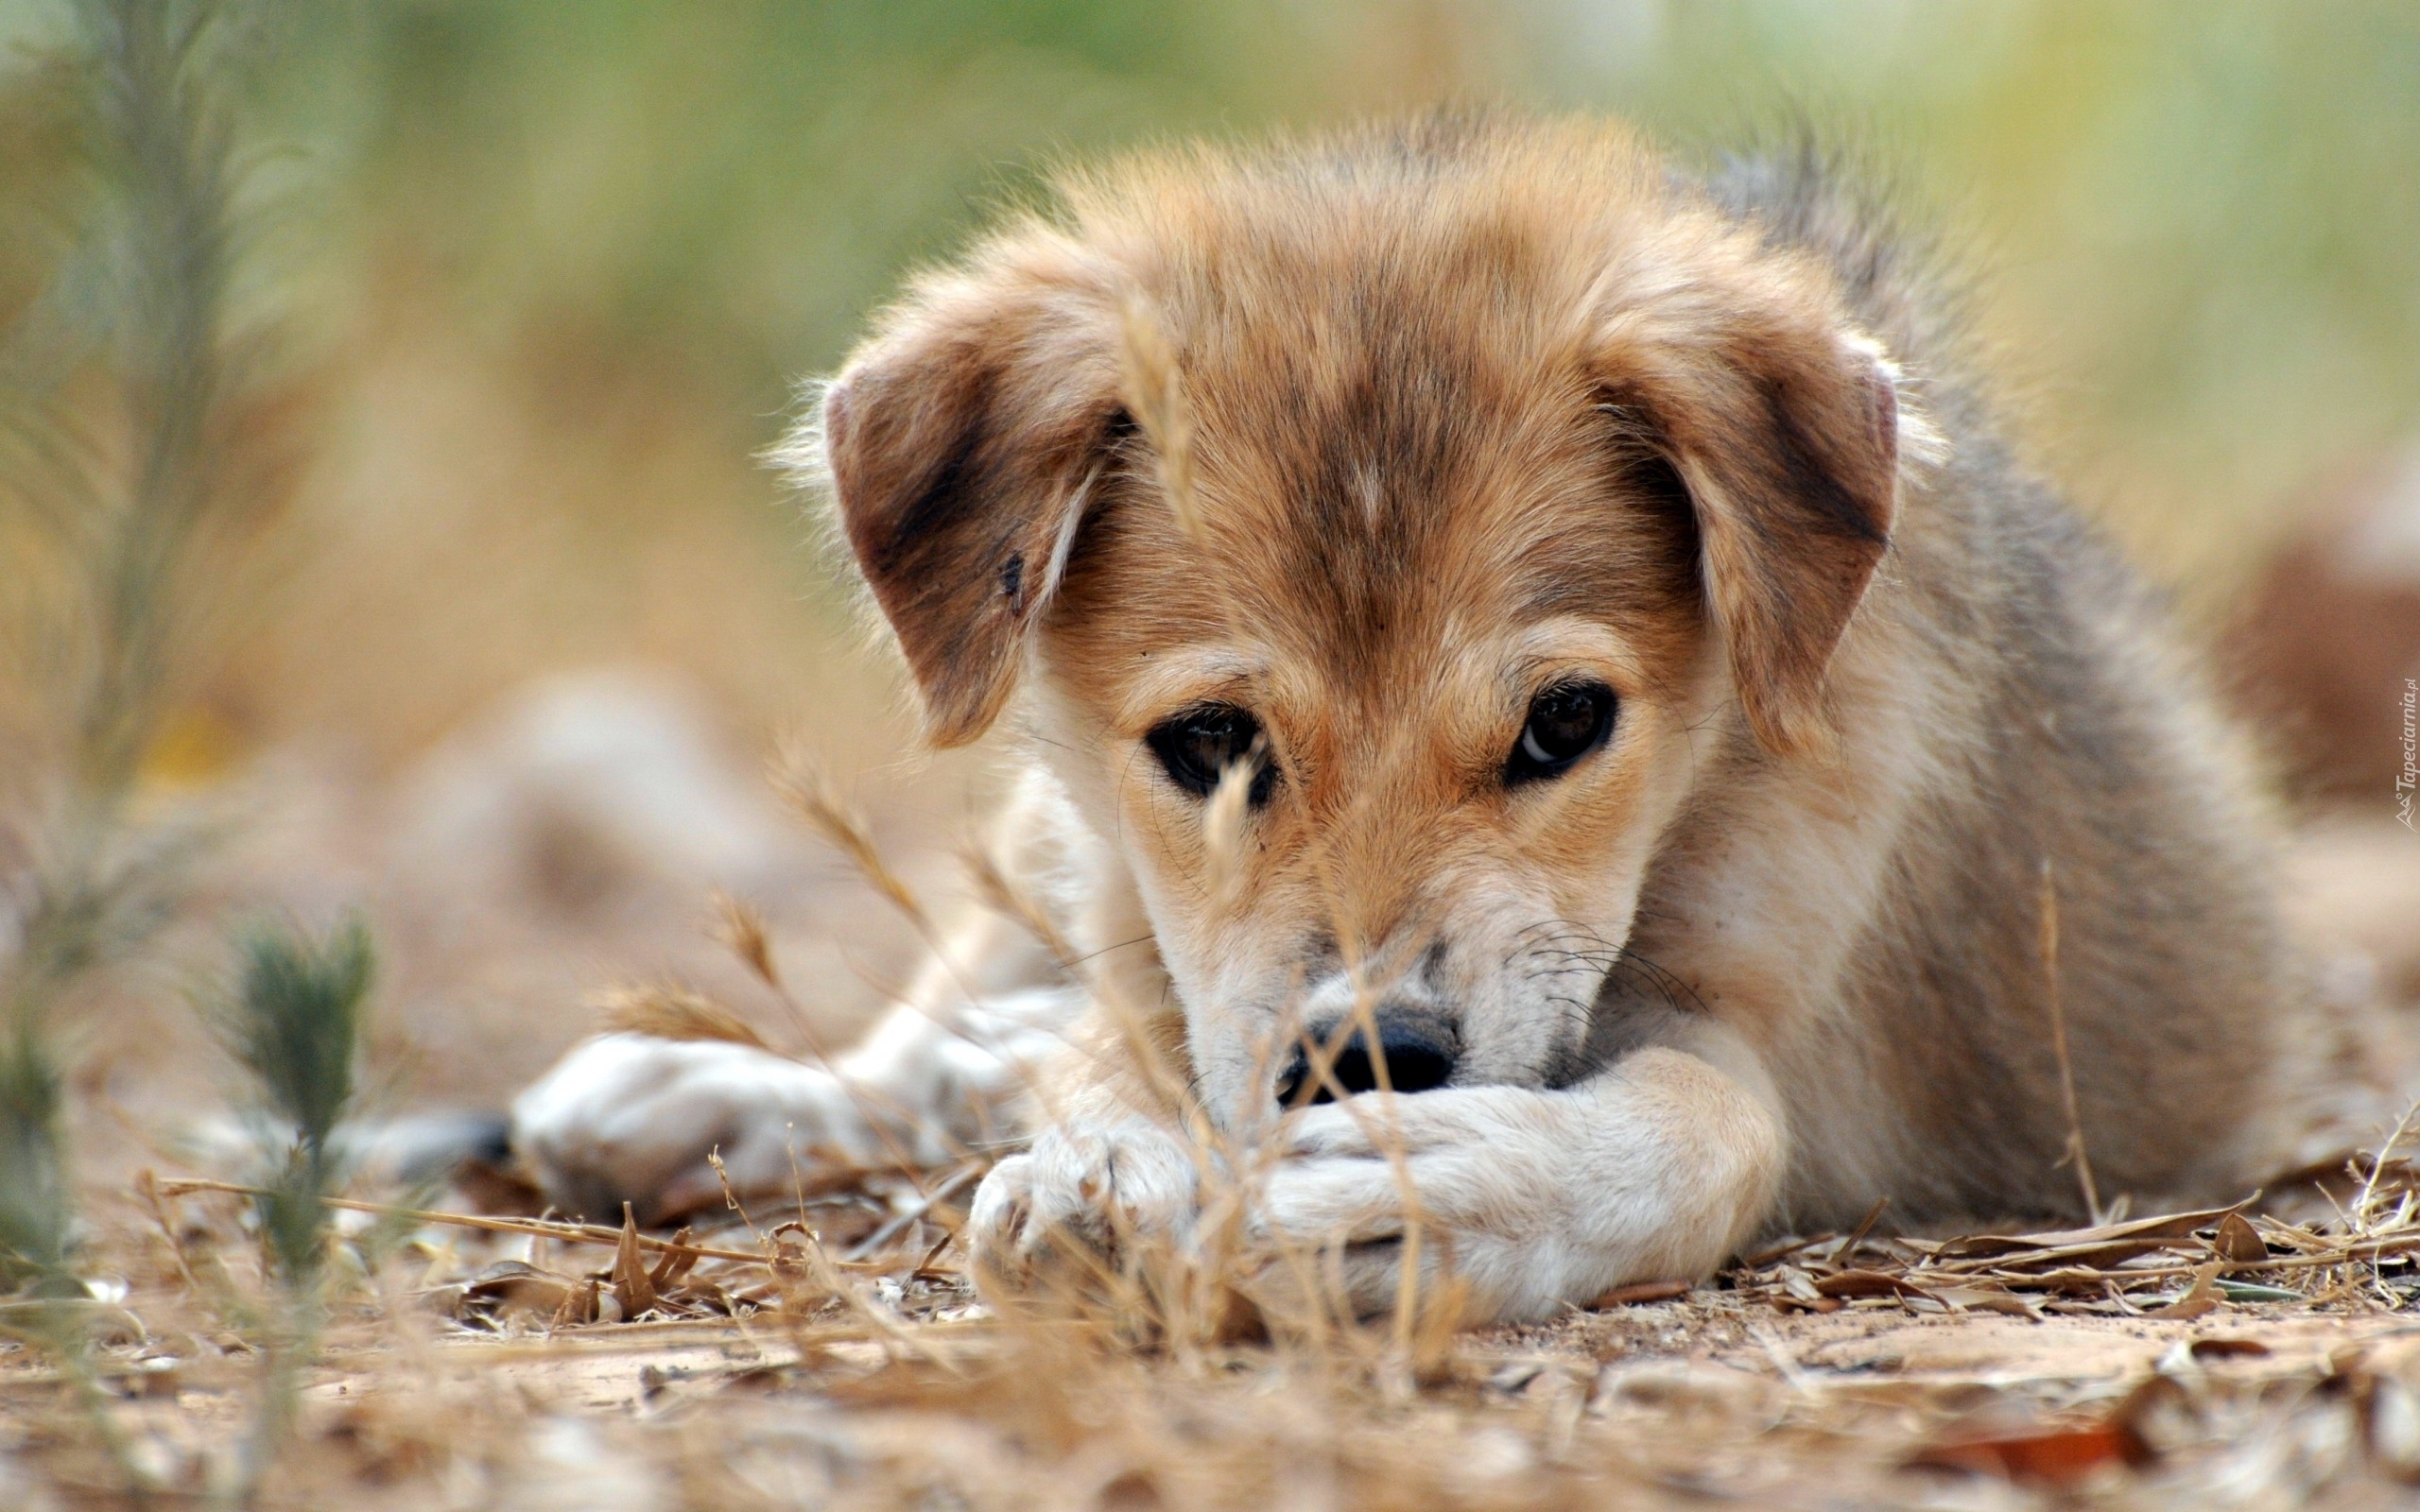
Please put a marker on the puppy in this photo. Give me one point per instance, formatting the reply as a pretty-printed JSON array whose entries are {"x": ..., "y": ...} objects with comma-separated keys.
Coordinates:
[{"x": 1549, "y": 703}]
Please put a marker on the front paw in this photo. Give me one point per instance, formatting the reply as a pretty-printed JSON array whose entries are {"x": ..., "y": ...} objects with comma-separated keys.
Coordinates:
[
  {"x": 1083, "y": 1202},
  {"x": 631, "y": 1118},
  {"x": 1532, "y": 1199}
]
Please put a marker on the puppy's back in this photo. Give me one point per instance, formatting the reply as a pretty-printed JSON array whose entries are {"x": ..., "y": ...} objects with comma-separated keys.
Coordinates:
[{"x": 2076, "y": 744}]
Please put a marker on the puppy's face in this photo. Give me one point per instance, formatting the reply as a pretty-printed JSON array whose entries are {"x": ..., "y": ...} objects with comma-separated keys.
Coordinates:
[
  {"x": 1384, "y": 553},
  {"x": 1438, "y": 635}
]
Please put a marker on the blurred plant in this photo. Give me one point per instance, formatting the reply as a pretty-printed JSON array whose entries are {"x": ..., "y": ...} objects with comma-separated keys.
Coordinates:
[
  {"x": 293, "y": 1022},
  {"x": 117, "y": 470},
  {"x": 121, "y": 490},
  {"x": 33, "y": 1199},
  {"x": 292, "y": 1019}
]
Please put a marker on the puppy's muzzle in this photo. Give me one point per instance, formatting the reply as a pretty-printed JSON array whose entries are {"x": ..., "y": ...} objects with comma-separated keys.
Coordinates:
[{"x": 1417, "y": 1057}]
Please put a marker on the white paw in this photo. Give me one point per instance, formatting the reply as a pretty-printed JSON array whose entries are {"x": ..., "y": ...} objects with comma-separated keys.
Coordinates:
[
  {"x": 631, "y": 1118},
  {"x": 1090, "y": 1190},
  {"x": 1534, "y": 1199}
]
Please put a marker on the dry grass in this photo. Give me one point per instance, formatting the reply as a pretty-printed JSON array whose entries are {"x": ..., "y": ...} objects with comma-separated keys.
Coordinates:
[
  {"x": 2200, "y": 1359},
  {"x": 832, "y": 1350}
]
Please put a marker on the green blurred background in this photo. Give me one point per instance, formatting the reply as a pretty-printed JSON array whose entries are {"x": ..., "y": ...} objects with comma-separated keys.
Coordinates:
[{"x": 552, "y": 268}]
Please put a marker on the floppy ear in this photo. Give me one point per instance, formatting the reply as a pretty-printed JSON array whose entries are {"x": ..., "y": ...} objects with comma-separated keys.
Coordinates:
[
  {"x": 1783, "y": 424},
  {"x": 960, "y": 441}
]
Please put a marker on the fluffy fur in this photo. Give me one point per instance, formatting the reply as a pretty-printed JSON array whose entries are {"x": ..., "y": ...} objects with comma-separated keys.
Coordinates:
[{"x": 1375, "y": 436}]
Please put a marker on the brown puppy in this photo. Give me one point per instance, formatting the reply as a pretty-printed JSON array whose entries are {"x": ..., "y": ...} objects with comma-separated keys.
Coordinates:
[{"x": 1467, "y": 581}]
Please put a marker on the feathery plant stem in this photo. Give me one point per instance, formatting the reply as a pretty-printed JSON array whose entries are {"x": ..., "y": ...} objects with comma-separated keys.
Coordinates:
[
  {"x": 169, "y": 149},
  {"x": 292, "y": 1019},
  {"x": 34, "y": 1218},
  {"x": 293, "y": 1022},
  {"x": 127, "y": 501},
  {"x": 165, "y": 168},
  {"x": 92, "y": 890}
]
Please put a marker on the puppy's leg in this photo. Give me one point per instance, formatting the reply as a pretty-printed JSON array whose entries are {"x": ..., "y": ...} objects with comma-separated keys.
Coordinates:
[
  {"x": 1096, "y": 1183},
  {"x": 1657, "y": 1168},
  {"x": 626, "y": 1117}
]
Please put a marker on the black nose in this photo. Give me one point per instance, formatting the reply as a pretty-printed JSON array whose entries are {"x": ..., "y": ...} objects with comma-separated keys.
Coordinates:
[{"x": 1416, "y": 1061}]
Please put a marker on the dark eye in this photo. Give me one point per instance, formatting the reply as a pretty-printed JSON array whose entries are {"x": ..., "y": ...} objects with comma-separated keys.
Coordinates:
[
  {"x": 1566, "y": 722},
  {"x": 1198, "y": 745}
]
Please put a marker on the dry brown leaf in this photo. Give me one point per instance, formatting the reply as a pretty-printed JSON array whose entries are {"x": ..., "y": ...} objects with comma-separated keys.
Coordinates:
[
  {"x": 2056, "y": 1457},
  {"x": 580, "y": 1305},
  {"x": 2202, "y": 1298},
  {"x": 2080, "y": 1279},
  {"x": 1986, "y": 1299},
  {"x": 1867, "y": 1284},
  {"x": 1154, "y": 395},
  {"x": 674, "y": 1265},
  {"x": 2227, "y": 1349},
  {"x": 2238, "y": 1242},
  {"x": 633, "y": 1288},
  {"x": 1640, "y": 1291},
  {"x": 2104, "y": 1244},
  {"x": 509, "y": 1288}
]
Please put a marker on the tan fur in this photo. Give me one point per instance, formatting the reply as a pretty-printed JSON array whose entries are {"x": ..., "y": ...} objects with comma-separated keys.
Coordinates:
[{"x": 1449, "y": 411}]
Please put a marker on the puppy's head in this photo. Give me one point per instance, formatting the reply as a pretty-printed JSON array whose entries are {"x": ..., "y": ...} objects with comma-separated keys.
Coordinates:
[{"x": 1384, "y": 535}]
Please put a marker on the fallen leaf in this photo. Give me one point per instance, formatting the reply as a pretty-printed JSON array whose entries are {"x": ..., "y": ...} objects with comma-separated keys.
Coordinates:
[
  {"x": 1985, "y": 1299},
  {"x": 2238, "y": 1242},
  {"x": 633, "y": 1292},
  {"x": 2106, "y": 1244},
  {"x": 1640, "y": 1291},
  {"x": 509, "y": 1286},
  {"x": 2056, "y": 1457},
  {"x": 2201, "y": 1297},
  {"x": 1820, "y": 1304},
  {"x": 2227, "y": 1349},
  {"x": 585, "y": 1303},
  {"x": 1866, "y": 1283},
  {"x": 675, "y": 1266},
  {"x": 2257, "y": 1292}
]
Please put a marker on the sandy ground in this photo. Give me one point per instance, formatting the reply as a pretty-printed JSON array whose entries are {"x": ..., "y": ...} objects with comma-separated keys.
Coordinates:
[
  {"x": 567, "y": 842},
  {"x": 912, "y": 1394}
]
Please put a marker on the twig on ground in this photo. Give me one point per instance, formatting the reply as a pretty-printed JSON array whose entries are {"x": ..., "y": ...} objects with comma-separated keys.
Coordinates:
[
  {"x": 2059, "y": 1042},
  {"x": 571, "y": 1233}
]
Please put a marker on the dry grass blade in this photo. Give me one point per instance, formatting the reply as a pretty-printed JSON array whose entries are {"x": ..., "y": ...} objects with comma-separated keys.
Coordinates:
[
  {"x": 1154, "y": 395},
  {"x": 2059, "y": 1041},
  {"x": 669, "y": 1012},
  {"x": 1848, "y": 1246},
  {"x": 741, "y": 929},
  {"x": 2366, "y": 1214},
  {"x": 807, "y": 789},
  {"x": 1150, "y": 1059},
  {"x": 1222, "y": 829},
  {"x": 1001, "y": 894},
  {"x": 571, "y": 1233}
]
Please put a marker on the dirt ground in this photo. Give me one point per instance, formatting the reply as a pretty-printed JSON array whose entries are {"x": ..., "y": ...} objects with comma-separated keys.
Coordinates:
[
  {"x": 460, "y": 1377},
  {"x": 567, "y": 842}
]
